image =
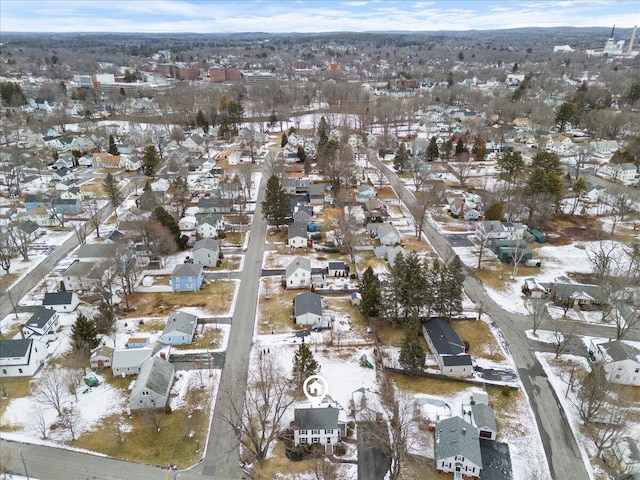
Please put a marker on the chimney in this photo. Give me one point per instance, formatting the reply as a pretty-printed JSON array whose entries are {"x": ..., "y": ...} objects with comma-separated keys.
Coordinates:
[{"x": 633, "y": 39}]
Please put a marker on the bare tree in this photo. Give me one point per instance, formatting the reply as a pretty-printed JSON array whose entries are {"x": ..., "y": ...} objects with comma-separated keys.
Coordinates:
[
  {"x": 73, "y": 379},
  {"x": 7, "y": 250},
  {"x": 562, "y": 336},
  {"x": 604, "y": 257},
  {"x": 52, "y": 390},
  {"x": 21, "y": 241},
  {"x": 593, "y": 393},
  {"x": 40, "y": 421},
  {"x": 537, "y": 308},
  {"x": 323, "y": 468},
  {"x": 463, "y": 170},
  {"x": 70, "y": 420},
  {"x": 159, "y": 137},
  {"x": 624, "y": 319},
  {"x": 258, "y": 420},
  {"x": 609, "y": 430},
  {"x": 95, "y": 219},
  {"x": 516, "y": 255},
  {"x": 79, "y": 229},
  {"x": 154, "y": 418},
  {"x": 622, "y": 207}
]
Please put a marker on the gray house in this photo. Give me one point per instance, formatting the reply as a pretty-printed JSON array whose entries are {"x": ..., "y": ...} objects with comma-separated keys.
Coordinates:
[
  {"x": 206, "y": 252},
  {"x": 323, "y": 425},
  {"x": 458, "y": 448},
  {"x": 448, "y": 348},
  {"x": 152, "y": 387},
  {"x": 308, "y": 308},
  {"x": 385, "y": 232},
  {"x": 485, "y": 420},
  {"x": 180, "y": 328},
  {"x": 129, "y": 361}
]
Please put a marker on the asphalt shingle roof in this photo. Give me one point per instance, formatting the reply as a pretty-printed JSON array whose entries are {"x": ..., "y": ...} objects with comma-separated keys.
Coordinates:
[
  {"x": 156, "y": 375},
  {"x": 40, "y": 318},
  {"x": 316, "y": 418},
  {"x": 455, "y": 437},
  {"x": 57, "y": 298},
  {"x": 14, "y": 348},
  {"x": 307, "y": 302}
]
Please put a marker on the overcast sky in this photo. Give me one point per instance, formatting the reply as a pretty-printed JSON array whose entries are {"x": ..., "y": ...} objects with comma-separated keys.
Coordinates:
[{"x": 280, "y": 16}]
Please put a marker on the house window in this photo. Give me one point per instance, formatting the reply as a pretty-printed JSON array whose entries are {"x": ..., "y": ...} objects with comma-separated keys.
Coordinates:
[
  {"x": 303, "y": 440},
  {"x": 315, "y": 440},
  {"x": 145, "y": 393},
  {"x": 4, "y": 371},
  {"x": 451, "y": 370},
  {"x": 637, "y": 370},
  {"x": 328, "y": 431},
  {"x": 315, "y": 432},
  {"x": 302, "y": 432},
  {"x": 19, "y": 370}
]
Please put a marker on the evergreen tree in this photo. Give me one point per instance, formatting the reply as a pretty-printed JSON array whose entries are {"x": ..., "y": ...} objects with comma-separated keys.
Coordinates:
[
  {"x": 147, "y": 201},
  {"x": 460, "y": 148},
  {"x": 273, "y": 119},
  {"x": 284, "y": 140},
  {"x": 202, "y": 122},
  {"x": 84, "y": 334},
  {"x": 371, "y": 294},
  {"x": 411, "y": 353},
  {"x": 494, "y": 212},
  {"x": 479, "y": 149},
  {"x": 150, "y": 161},
  {"x": 432, "y": 150},
  {"x": 511, "y": 165},
  {"x": 110, "y": 186},
  {"x": 401, "y": 160},
  {"x": 304, "y": 365},
  {"x": 166, "y": 219},
  {"x": 451, "y": 288},
  {"x": 113, "y": 149},
  {"x": 323, "y": 133},
  {"x": 447, "y": 150},
  {"x": 275, "y": 206},
  {"x": 543, "y": 186},
  {"x": 565, "y": 114},
  {"x": 450, "y": 80}
]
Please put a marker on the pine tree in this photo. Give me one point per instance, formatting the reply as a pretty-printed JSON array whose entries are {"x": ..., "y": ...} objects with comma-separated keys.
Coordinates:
[
  {"x": 460, "y": 148},
  {"x": 411, "y": 353},
  {"x": 273, "y": 119},
  {"x": 304, "y": 365},
  {"x": 110, "y": 186},
  {"x": 84, "y": 334},
  {"x": 323, "y": 133},
  {"x": 451, "y": 288},
  {"x": 275, "y": 206},
  {"x": 371, "y": 294},
  {"x": 113, "y": 149},
  {"x": 432, "y": 150},
  {"x": 202, "y": 122},
  {"x": 401, "y": 159},
  {"x": 150, "y": 161},
  {"x": 284, "y": 140},
  {"x": 447, "y": 150},
  {"x": 147, "y": 201},
  {"x": 166, "y": 219},
  {"x": 479, "y": 149}
]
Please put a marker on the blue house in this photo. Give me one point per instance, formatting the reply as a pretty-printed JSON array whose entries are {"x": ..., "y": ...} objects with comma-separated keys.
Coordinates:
[
  {"x": 31, "y": 202},
  {"x": 70, "y": 206},
  {"x": 187, "y": 277},
  {"x": 180, "y": 328}
]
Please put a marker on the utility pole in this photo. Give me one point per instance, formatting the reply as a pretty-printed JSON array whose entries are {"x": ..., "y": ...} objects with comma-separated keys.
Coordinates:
[{"x": 24, "y": 464}]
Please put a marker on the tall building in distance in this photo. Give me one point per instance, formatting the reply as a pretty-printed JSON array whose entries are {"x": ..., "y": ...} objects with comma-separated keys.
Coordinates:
[{"x": 218, "y": 75}]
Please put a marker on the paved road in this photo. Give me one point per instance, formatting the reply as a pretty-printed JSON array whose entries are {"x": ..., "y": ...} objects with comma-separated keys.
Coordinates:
[
  {"x": 221, "y": 460},
  {"x": 558, "y": 441}
]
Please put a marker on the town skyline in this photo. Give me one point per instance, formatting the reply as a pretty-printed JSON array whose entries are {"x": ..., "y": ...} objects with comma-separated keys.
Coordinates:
[{"x": 311, "y": 16}]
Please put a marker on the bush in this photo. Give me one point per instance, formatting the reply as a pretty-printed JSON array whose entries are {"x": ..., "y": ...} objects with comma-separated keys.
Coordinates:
[
  {"x": 167, "y": 409},
  {"x": 506, "y": 390},
  {"x": 352, "y": 276}
]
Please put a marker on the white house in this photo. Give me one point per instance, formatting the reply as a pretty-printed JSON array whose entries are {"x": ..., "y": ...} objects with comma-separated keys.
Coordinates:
[
  {"x": 385, "y": 232},
  {"x": 61, "y": 301},
  {"x": 620, "y": 360},
  {"x": 129, "y": 361},
  {"x": 209, "y": 225},
  {"x": 448, "y": 348},
  {"x": 458, "y": 448},
  {"x": 42, "y": 325},
  {"x": 308, "y": 309},
  {"x": 101, "y": 357},
  {"x": 21, "y": 357},
  {"x": 490, "y": 229},
  {"x": 151, "y": 388},
  {"x": 298, "y": 273},
  {"x": 206, "y": 252},
  {"x": 324, "y": 425},
  {"x": 623, "y": 172},
  {"x": 297, "y": 235},
  {"x": 132, "y": 164},
  {"x": 188, "y": 223}
]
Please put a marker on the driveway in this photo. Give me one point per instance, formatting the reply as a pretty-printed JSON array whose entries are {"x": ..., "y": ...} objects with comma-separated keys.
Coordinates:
[{"x": 373, "y": 462}]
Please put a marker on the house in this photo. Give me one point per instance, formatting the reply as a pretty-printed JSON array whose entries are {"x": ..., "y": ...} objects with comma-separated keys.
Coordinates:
[
  {"x": 458, "y": 448},
  {"x": 604, "y": 148},
  {"x": 179, "y": 329},
  {"x": 61, "y": 301},
  {"x": 30, "y": 229},
  {"x": 620, "y": 360},
  {"x": 623, "y": 172},
  {"x": 323, "y": 425},
  {"x": 129, "y": 361},
  {"x": 72, "y": 192},
  {"x": 116, "y": 237},
  {"x": 188, "y": 223},
  {"x": 63, "y": 161},
  {"x": 43, "y": 324},
  {"x": 41, "y": 216},
  {"x": 215, "y": 205},
  {"x": 494, "y": 229},
  {"x": 625, "y": 457},
  {"x": 365, "y": 192},
  {"x": 104, "y": 160},
  {"x": 484, "y": 420},
  {"x": 137, "y": 342},
  {"x": 297, "y": 235},
  {"x": 390, "y": 254},
  {"x": 562, "y": 290},
  {"x": 375, "y": 211},
  {"x": 307, "y": 308},
  {"x": 338, "y": 269},
  {"x": 195, "y": 143},
  {"x": 101, "y": 357},
  {"x": 385, "y": 232},
  {"x": 187, "y": 277},
  {"x": 151, "y": 388},
  {"x": 448, "y": 348},
  {"x": 160, "y": 185},
  {"x": 132, "y": 164},
  {"x": 63, "y": 175},
  {"x": 32, "y": 202},
  {"x": 99, "y": 251},
  {"x": 460, "y": 208},
  {"x": 209, "y": 225},
  {"x": 367, "y": 405},
  {"x": 21, "y": 357},
  {"x": 206, "y": 252},
  {"x": 303, "y": 214},
  {"x": 67, "y": 206},
  {"x": 298, "y": 273},
  {"x": 534, "y": 289}
]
